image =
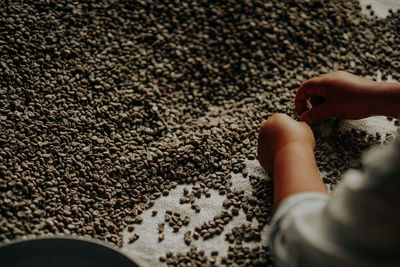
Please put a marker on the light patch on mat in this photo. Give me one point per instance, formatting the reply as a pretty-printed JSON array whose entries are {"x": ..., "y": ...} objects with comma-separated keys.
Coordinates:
[{"x": 380, "y": 7}]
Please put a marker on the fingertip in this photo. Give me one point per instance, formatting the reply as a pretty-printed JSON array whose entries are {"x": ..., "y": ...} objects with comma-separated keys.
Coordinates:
[
  {"x": 299, "y": 110},
  {"x": 306, "y": 119},
  {"x": 312, "y": 116},
  {"x": 316, "y": 115},
  {"x": 302, "y": 95},
  {"x": 300, "y": 105}
]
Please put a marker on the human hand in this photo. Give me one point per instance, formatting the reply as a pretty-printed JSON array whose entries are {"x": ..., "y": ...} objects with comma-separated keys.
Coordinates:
[
  {"x": 337, "y": 94},
  {"x": 278, "y": 132}
]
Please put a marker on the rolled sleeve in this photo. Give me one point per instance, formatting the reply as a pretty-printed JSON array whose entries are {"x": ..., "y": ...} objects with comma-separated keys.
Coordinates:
[
  {"x": 354, "y": 227},
  {"x": 293, "y": 217}
]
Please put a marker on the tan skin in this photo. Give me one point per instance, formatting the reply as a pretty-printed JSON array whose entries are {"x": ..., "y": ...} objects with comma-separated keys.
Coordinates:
[{"x": 286, "y": 147}]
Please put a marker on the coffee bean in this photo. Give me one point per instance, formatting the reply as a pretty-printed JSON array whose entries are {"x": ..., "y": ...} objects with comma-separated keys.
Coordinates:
[
  {"x": 161, "y": 237},
  {"x": 133, "y": 238}
]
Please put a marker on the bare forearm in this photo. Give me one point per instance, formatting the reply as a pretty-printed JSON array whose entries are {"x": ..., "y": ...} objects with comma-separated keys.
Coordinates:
[
  {"x": 295, "y": 171},
  {"x": 385, "y": 100}
]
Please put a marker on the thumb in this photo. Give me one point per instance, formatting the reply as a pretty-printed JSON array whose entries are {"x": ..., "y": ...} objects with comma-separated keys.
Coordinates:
[{"x": 316, "y": 114}]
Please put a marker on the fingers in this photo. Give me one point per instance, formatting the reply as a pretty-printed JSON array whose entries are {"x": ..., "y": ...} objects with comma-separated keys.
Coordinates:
[
  {"x": 306, "y": 90},
  {"x": 316, "y": 114}
]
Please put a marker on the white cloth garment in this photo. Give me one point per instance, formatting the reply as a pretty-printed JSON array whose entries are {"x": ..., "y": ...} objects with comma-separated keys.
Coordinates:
[{"x": 359, "y": 225}]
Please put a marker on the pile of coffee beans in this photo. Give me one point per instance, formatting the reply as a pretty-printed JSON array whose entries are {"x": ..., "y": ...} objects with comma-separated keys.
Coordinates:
[{"x": 107, "y": 105}]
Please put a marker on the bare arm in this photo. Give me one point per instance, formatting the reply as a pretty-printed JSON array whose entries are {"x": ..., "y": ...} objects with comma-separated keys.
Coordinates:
[
  {"x": 295, "y": 171},
  {"x": 286, "y": 150},
  {"x": 385, "y": 100}
]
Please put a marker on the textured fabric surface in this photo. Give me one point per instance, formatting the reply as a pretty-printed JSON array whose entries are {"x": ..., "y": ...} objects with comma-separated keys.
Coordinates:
[{"x": 147, "y": 250}]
